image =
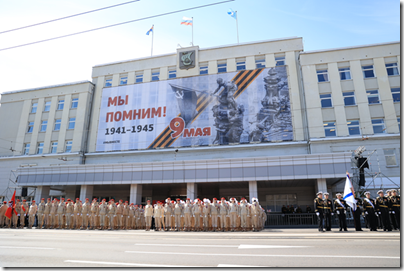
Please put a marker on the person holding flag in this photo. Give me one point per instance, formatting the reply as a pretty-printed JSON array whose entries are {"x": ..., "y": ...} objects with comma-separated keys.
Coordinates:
[
  {"x": 10, "y": 209},
  {"x": 349, "y": 197}
]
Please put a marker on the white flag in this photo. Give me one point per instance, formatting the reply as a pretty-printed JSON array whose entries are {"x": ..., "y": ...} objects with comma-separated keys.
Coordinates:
[{"x": 349, "y": 194}]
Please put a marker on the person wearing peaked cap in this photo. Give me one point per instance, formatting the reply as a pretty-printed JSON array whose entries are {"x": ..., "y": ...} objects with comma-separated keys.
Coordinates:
[
  {"x": 40, "y": 214},
  {"x": 340, "y": 209},
  {"x": 319, "y": 205},
  {"x": 168, "y": 212},
  {"x": 394, "y": 202},
  {"x": 328, "y": 211},
  {"x": 178, "y": 213},
  {"x": 382, "y": 207},
  {"x": 31, "y": 214},
  {"x": 60, "y": 211},
  {"x": 369, "y": 208},
  {"x": 148, "y": 212}
]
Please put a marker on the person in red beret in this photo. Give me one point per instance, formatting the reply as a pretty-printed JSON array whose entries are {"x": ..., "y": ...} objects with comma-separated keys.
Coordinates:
[
  {"x": 168, "y": 212},
  {"x": 103, "y": 210},
  {"x": 112, "y": 214},
  {"x": 188, "y": 213},
  {"x": 125, "y": 216},
  {"x": 40, "y": 212},
  {"x": 46, "y": 213},
  {"x": 24, "y": 213},
  {"x": 69, "y": 214},
  {"x": 95, "y": 212},
  {"x": 119, "y": 214},
  {"x": 77, "y": 214},
  {"x": 61, "y": 214},
  {"x": 52, "y": 213},
  {"x": 3, "y": 210},
  {"x": 214, "y": 211},
  {"x": 85, "y": 214},
  {"x": 31, "y": 214},
  {"x": 178, "y": 213}
]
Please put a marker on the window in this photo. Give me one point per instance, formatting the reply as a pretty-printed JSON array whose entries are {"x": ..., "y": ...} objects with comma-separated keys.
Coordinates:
[
  {"x": 399, "y": 124},
  {"x": 43, "y": 125},
  {"x": 329, "y": 129},
  {"x": 155, "y": 76},
  {"x": 108, "y": 81},
  {"x": 344, "y": 73},
  {"x": 322, "y": 75},
  {"x": 123, "y": 80},
  {"x": 26, "y": 148},
  {"x": 368, "y": 71},
  {"x": 47, "y": 106},
  {"x": 396, "y": 94},
  {"x": 275, "y": 202},
  {"x": 54, "y": 147},
  {"x": 40, "y": 148},
  {"x": 325, "y": 100},
  {"x": 34, "y": 107},
  {"x": 353, "y": 127},
  {"x": 260, "y": 62},
  {"x": 349, "y": 98},
  {"x": 30, "y": 127},
  {"x": 392, "y": 69},
  {"x": 203, "y": 68},
  {"x": 373, "y": 96},
  {"x": 280, "y": 60},
  {"x": 172, "y": 73},
  {"x": 75, "y": 102},
  {"x": 69, "y": 146},
  {"x": 390, "y": 156},
  {"x": 57, "y": 124},
  {"x": 221, "y": 67},
  {"x": 240, "y": 65},
  {"x": 72, "y": 122},
  {"x": 378, "y": 126},
  {"x": 61, "y": 104},
  {"x": 139, "y": 78}
]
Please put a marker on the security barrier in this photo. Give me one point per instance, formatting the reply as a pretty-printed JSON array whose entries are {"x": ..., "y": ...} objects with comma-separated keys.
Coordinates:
[{"x": 304, "y": 219}]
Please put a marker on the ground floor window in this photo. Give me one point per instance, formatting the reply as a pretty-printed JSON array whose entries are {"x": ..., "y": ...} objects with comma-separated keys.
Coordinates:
[{"x": 276, "y": 202}]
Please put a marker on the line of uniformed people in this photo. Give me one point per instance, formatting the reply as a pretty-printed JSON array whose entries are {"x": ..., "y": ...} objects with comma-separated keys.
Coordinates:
[
  {"x": 383, "y": 211},
  {"x": 195, "y": 215}
]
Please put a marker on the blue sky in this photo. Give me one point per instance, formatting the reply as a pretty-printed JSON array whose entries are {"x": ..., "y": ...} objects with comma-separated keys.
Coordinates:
[{"x": 322, "y": 24}]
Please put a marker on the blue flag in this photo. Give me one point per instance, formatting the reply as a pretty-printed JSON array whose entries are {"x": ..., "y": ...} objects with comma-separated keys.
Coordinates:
[
  {"x": 232, "y": 13},
  {"x": 150, "y": 30}
]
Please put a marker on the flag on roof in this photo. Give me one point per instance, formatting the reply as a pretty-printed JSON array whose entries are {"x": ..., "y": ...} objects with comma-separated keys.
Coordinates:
[
  {"x": 232, "y": 13},
  {"x": 186, "y": 21},
  {"x": 349, "y": 193},
  {"x": 150, "y": 30}
]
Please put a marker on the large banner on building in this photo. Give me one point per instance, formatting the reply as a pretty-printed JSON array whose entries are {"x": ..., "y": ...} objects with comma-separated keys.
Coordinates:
[{"x": 219, "y": 109}]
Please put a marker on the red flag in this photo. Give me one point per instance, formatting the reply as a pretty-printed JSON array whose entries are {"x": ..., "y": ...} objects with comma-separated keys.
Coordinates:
[{"x": 11, "y": 205}]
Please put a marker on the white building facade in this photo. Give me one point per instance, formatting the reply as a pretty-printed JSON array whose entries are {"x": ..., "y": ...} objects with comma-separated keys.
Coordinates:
[{"x": 246, "y": 120}]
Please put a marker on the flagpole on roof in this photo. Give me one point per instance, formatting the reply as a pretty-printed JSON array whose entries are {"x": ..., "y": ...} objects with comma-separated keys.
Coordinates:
[
  {"x": 152, "y": 37},
  {"x": 192, "y": 31}
]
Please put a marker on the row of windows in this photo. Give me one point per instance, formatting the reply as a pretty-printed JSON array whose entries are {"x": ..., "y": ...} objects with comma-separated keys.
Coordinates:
[
  {"x": 354, "y": 128},
  {"x": 368, "y": 72},
  {"x": 44, "y": 124},
  {"x": 349, "y": 97},
  {"x": 54, "y": 146},
  {"x": 61, "y": 105},
  {"x": 203, "y": 69}
]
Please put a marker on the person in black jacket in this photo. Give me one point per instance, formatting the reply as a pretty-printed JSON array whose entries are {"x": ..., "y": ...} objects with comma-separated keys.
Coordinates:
[
  {"x": 328, "y": 211},
  {"x": 369, "y": 207},
  {"x": 340, "y": 208},
  {"x": 319, "y": 204},
  {"x": 357, "y": 214},
  {"x": 382, "y": 208}
]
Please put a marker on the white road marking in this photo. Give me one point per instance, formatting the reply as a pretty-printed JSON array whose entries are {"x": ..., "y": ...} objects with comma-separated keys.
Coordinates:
[
  {"x": 235, "y": 246},
  {"x": 127, "y": 264},
  {"x": 177, "y": 245},
  {"x": 266, "y": 246},
  {"x": 233, "y": 265},
  {"x": 265, "y": 255},
  {"x": 28, "y": 247}
]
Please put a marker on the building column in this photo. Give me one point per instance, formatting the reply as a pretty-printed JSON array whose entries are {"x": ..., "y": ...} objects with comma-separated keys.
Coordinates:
[
  {"x": 253, "y": 190},
  {"x": 192, "y": 190},
  {"x": 135, "y": 194},
  {"x": 321, "y": 185},
  {"x": 41, "y": 192},
  {"x": 86, "y": 191}
]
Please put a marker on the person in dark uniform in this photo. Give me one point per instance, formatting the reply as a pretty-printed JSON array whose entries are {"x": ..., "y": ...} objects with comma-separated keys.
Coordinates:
[
  {"x": 357, "y": 214},
  {"x": 291, "y": 209},
  {"x": 284, "y": 210},
  {"x": 369, "y": 207},
  {"x": 328, "y": 211},
  {"x": 340, "y": 208},
  {"x": 298, "y": 210},
  {"x": 395, "y": 207},
  {"x": 308, "y": 209},
  {"x": 391, "y": 215},
  {"x": 319, "y": 204},
  {"x": 382, "y": 208}
]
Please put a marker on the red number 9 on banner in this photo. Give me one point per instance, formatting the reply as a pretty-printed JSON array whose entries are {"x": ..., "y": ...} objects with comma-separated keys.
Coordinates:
[{"x": 177, "y": 125}]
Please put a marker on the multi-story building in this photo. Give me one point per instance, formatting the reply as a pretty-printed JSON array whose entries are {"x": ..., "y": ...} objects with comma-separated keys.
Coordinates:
[{"x": 262, "y": 119}]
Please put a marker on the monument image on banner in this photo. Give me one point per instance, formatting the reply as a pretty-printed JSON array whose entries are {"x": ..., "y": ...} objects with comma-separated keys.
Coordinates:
[{"x": 218, "y": 109}]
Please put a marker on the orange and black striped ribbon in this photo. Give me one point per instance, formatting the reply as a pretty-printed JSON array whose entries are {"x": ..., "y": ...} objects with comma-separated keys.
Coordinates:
[{"x": 242, "y": 79}]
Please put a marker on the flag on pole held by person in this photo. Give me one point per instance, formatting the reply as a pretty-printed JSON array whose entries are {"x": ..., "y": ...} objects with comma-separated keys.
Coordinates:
[
  {"x": 150, "y": 30},
  {"x": 349, "y": 193},
  {"x": 11, "y": 206},
  {"x": 186, "y": 21},
  {"x": 232, "y": 13}
]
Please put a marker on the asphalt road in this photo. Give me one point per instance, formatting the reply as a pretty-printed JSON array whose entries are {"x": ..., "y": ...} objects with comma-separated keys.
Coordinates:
[{"x": 138, "y": 248}]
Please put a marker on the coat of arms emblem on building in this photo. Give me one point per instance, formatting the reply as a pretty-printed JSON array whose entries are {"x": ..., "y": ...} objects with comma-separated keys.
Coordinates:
[{"x": 187, "y": 60}]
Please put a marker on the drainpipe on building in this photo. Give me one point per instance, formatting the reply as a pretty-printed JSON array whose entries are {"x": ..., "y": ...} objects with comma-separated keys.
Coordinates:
[
  {"x": 83, "y": 150},
  {"x": 303, "y": 105}
]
